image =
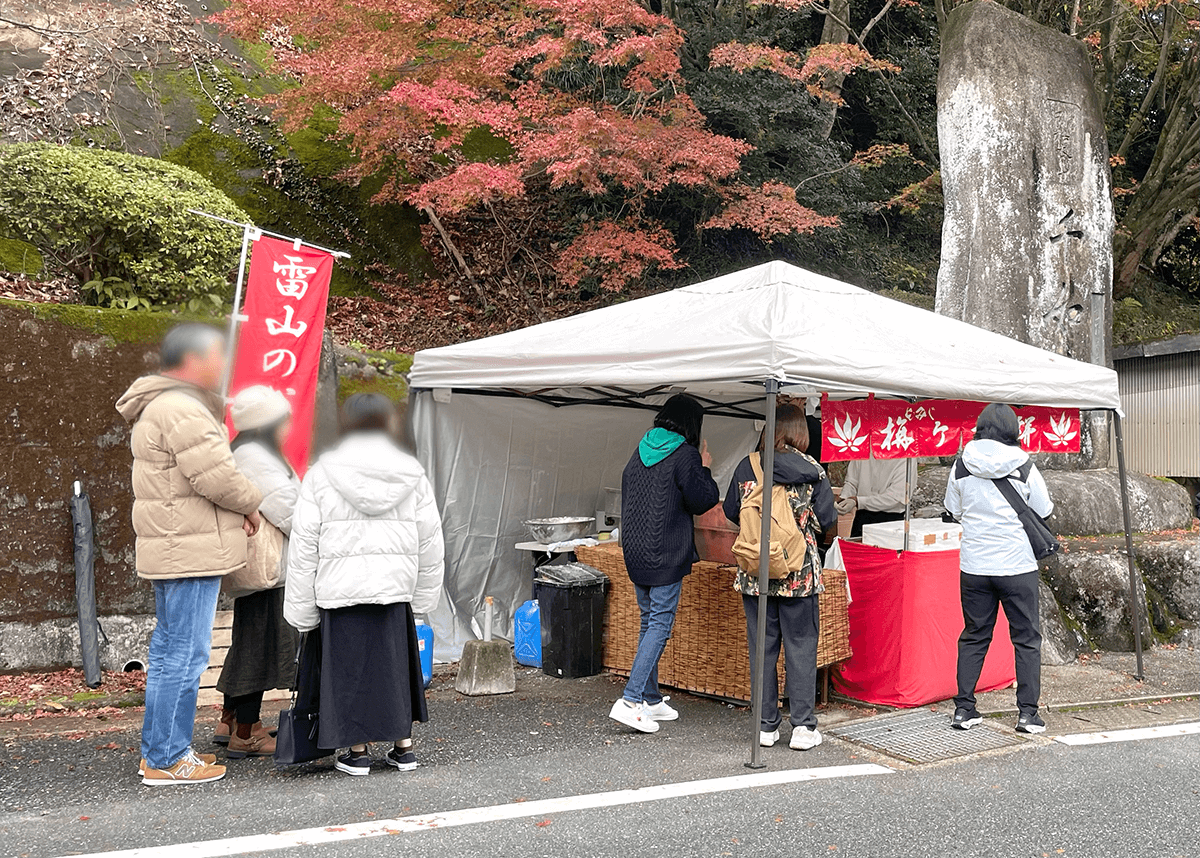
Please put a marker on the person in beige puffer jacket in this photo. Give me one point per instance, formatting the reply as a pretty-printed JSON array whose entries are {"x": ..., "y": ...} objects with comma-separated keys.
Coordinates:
[{"x": 192, "y": 513}]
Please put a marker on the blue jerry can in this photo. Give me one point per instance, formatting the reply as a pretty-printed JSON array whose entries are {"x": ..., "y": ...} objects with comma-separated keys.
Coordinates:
[
  {"x": 425, "y": 649},
  {"x": 527, "y": 648}
]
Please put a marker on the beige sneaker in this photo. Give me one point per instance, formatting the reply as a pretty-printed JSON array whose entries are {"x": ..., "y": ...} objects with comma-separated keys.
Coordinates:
[
  {"x": 189, "y": 770},
  {"x": 207, "y": 759}
]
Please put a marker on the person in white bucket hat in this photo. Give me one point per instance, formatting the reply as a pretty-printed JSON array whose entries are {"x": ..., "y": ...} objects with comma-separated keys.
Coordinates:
[{"x": 262, "y": 652}]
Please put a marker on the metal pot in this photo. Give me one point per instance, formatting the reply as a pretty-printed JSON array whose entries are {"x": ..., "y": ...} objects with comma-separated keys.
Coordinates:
[{"x": 560, "y": 529}]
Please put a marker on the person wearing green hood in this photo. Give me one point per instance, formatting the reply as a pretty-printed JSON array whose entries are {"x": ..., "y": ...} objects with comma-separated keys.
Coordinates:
[{"x": 665, "y": 484}]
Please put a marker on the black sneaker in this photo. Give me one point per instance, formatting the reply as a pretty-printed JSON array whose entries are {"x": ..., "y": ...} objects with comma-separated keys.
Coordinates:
[
  {"x": 354, "y": 764},
  {"x": 404, "y": 760},
  {"x": 1031, "y": 723},
  {"x": 965, "y": 719}
]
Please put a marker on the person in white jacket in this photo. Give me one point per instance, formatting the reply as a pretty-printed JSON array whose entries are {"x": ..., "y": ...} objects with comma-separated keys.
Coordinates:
[
  {"x": 997, "y": 562},
  {"x": 366, "y": 554}
]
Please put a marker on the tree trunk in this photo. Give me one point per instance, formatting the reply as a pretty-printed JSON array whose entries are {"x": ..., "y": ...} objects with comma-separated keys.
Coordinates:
[
  {"x": 834, "y": 32},
  {"x": 1169, "y": 190}
]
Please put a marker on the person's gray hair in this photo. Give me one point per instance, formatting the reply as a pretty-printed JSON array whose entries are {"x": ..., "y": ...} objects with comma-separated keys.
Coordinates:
[{"x": 186, "y": 339}]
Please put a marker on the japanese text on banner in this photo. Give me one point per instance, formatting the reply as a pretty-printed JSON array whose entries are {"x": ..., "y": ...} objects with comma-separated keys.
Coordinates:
[{"x": 280, "y": 343}]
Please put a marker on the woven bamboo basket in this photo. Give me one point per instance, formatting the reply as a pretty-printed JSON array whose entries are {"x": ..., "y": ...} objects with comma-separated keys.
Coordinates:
[{"x": 707, "y": 652}]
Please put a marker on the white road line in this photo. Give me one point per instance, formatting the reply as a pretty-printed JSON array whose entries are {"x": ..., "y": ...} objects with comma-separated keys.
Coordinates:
[
  {"x": 1130, "y": 735},
  {"x": 472, "y": 816}
]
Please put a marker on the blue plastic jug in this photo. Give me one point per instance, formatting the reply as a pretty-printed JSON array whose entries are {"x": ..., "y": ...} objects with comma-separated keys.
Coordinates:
[
  {"x": 425, "y": 649},
  {"x": 527, "y": 647}
]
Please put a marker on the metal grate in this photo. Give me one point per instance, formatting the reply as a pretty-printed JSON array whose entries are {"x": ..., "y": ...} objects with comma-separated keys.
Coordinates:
[{"x": 924, "y": 737}]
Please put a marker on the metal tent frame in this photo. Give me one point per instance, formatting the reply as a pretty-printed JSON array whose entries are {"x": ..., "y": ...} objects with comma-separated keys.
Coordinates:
[{"x": 741, "y": 408}]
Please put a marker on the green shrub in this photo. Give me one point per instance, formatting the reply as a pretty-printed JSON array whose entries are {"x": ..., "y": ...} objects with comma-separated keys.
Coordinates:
[{"x": 120, "y": 224}]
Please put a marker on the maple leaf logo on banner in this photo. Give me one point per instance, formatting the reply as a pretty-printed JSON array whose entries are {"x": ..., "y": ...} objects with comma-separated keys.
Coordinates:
[
  {"x": 846, "y": 437},
  {"x": 1060, "y": 433}
]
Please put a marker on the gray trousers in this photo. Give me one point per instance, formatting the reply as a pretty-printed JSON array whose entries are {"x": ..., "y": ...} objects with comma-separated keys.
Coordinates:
[{"x": 793, "y": 622}]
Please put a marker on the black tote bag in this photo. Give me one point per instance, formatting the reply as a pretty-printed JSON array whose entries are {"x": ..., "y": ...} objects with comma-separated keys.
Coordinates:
[{"x": 296, "y": 742}]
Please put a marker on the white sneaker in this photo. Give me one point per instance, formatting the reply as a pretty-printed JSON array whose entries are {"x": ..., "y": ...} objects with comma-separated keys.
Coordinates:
[
  {"x": 768, "y": 740},
  {"x": 635, "y": 715},
  {"x": 805, "y": 738},
  {"x": 661, "y": 711}
]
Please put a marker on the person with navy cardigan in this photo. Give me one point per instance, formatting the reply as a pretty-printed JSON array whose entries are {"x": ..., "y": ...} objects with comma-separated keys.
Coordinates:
[{"x": 665, "y": 484}]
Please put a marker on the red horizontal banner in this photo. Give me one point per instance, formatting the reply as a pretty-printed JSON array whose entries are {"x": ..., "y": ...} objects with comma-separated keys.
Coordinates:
[{"x": 894, "y": 429}]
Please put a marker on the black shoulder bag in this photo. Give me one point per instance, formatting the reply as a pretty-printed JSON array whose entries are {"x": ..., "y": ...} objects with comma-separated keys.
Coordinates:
[
  {"x": 1042, "y": 541},
  {"x": 297, "y": 739}
]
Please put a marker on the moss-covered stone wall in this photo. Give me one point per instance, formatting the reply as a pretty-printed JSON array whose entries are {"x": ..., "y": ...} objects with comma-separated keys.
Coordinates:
[{"x": 63, "y": 369}]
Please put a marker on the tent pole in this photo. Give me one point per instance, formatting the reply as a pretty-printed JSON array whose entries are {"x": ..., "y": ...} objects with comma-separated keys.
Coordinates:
[
  {"x": 764, "y": 578},
  {"x": 909, "y": 464},
  {"x": 1134, "y": 602}
]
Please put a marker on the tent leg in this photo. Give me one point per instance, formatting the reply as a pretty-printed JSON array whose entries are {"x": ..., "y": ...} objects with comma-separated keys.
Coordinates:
[
  {"x": 1134, "y": 602},
  {"x": 910, "y": 465},
  {"x": 764, "y": 579}
]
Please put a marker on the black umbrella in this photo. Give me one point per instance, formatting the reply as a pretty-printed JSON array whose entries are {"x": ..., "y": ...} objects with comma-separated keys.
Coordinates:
[{"x": 85, "y": 585}]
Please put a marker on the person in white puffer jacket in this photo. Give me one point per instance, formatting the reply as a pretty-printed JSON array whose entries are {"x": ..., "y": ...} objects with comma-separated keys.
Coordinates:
[
  {"x": 997, "y": 562},
  {"x": 366, "y": 554}
]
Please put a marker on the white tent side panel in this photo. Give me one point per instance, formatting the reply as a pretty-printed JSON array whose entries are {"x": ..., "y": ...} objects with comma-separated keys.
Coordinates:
[{"x": 495, "y": 462}]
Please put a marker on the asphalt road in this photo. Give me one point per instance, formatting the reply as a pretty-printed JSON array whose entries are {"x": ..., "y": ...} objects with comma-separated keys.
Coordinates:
[{"x": 60, "y": 796}]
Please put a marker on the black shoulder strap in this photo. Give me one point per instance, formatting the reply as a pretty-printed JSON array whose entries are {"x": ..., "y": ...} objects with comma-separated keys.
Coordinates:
[
  {"x": 960, "y": 470},
  {"x": 1022, "y": 473},
  {"x": 1011, "y": 495}
]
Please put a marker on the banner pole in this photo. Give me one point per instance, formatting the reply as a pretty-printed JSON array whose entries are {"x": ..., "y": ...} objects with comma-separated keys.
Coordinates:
[{"x": 231, "y": 338}]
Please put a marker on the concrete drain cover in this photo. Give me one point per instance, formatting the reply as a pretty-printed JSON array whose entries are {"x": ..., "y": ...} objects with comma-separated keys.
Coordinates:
[{"x": 922, "y": 736}]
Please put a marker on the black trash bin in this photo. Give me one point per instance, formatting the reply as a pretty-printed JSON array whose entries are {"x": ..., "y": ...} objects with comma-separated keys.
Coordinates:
[{"x": 571, "y": 602}]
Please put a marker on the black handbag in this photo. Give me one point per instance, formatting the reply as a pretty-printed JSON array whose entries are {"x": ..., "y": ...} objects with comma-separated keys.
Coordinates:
[
  {"x": 1042, "y": 541},
  {"x": 296, "y": 741}
]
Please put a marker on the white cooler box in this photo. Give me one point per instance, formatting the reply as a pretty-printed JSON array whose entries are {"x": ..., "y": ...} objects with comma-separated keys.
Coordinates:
[{"x": 924, "y": 534}]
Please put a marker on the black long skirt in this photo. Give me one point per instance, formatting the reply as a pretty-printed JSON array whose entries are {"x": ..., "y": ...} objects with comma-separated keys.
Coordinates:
[
  {"x": 371, "y": 684},
  {"x": 262, "y": 652}
]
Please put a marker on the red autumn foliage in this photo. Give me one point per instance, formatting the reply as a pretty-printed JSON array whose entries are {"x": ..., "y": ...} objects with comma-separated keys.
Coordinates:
[
  {"x": 585, "y": 93},
  {"x": 769, "y": 211},
  {"x": 821, "y": 61}
]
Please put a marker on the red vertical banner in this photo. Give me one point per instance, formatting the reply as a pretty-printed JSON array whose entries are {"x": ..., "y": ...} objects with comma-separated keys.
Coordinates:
[{"x": 279, "y": 344}]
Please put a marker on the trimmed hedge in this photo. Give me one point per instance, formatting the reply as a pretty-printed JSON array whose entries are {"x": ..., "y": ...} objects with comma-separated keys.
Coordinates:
[{"x": 120, "y": 224}]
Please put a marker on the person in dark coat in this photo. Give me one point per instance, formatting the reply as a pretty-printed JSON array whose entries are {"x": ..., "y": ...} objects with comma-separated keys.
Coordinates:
[
  {"x": 665, "y": 484},
  {"x": 793, "y": 615}
]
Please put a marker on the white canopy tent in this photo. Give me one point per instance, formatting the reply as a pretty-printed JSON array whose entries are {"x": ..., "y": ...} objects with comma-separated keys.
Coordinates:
[{"x": 513, "y": 426}]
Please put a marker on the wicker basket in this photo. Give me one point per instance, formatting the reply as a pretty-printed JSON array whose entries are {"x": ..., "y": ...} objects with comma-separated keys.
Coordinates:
[{"x": 707, "y": 652}]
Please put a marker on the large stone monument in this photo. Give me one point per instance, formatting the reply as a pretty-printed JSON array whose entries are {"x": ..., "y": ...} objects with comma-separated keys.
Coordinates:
[{"x": 1027, "y": 237}]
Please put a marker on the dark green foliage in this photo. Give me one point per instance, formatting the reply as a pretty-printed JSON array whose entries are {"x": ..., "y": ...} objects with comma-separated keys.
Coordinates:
[{"x": 120, "y": 223}]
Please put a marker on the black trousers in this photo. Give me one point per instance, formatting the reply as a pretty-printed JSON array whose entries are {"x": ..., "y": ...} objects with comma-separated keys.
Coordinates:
[
  {"x": 981, "y": 597},
  {"x": 247, "y": 706},
  {"x": 793, "y": 622},
  {"x": 870, "y": 516}
]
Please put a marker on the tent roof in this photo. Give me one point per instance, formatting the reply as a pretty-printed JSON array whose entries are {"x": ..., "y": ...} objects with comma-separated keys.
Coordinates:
[{"x": 812, "y": 333}]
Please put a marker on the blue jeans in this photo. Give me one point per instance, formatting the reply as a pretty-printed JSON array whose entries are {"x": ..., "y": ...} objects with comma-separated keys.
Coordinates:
[
  {"x": 658, "y": 606},
  {"x": 184, "y": 609}
]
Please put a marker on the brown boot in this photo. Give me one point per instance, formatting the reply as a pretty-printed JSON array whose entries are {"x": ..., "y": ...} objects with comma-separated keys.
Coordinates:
[
  {"x": 260, "y": 744},
  {"x": 224, "y": 729}
]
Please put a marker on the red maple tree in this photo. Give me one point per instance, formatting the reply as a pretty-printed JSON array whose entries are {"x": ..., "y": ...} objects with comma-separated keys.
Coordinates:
[{"x": 577, "y": 96}]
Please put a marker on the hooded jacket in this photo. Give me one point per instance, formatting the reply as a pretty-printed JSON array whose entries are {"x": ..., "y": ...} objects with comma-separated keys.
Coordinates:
[
  {"x": 657, "y": 505},
  {"x": 994, "y": 542},
  {"x": 189, "y": 497},
  {"x": 366, "y": 531}
]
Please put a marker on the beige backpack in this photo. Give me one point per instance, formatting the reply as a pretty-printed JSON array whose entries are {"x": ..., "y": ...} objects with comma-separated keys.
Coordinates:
[{"x": 787, "y": 546}]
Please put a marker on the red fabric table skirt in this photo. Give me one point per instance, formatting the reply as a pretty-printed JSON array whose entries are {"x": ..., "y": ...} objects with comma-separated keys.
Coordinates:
[{"x": 905, "y": 619}]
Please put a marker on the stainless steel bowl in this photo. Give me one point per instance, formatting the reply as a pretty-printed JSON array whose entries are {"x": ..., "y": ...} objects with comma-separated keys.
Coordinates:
[{"x": 560, "y": 529}]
